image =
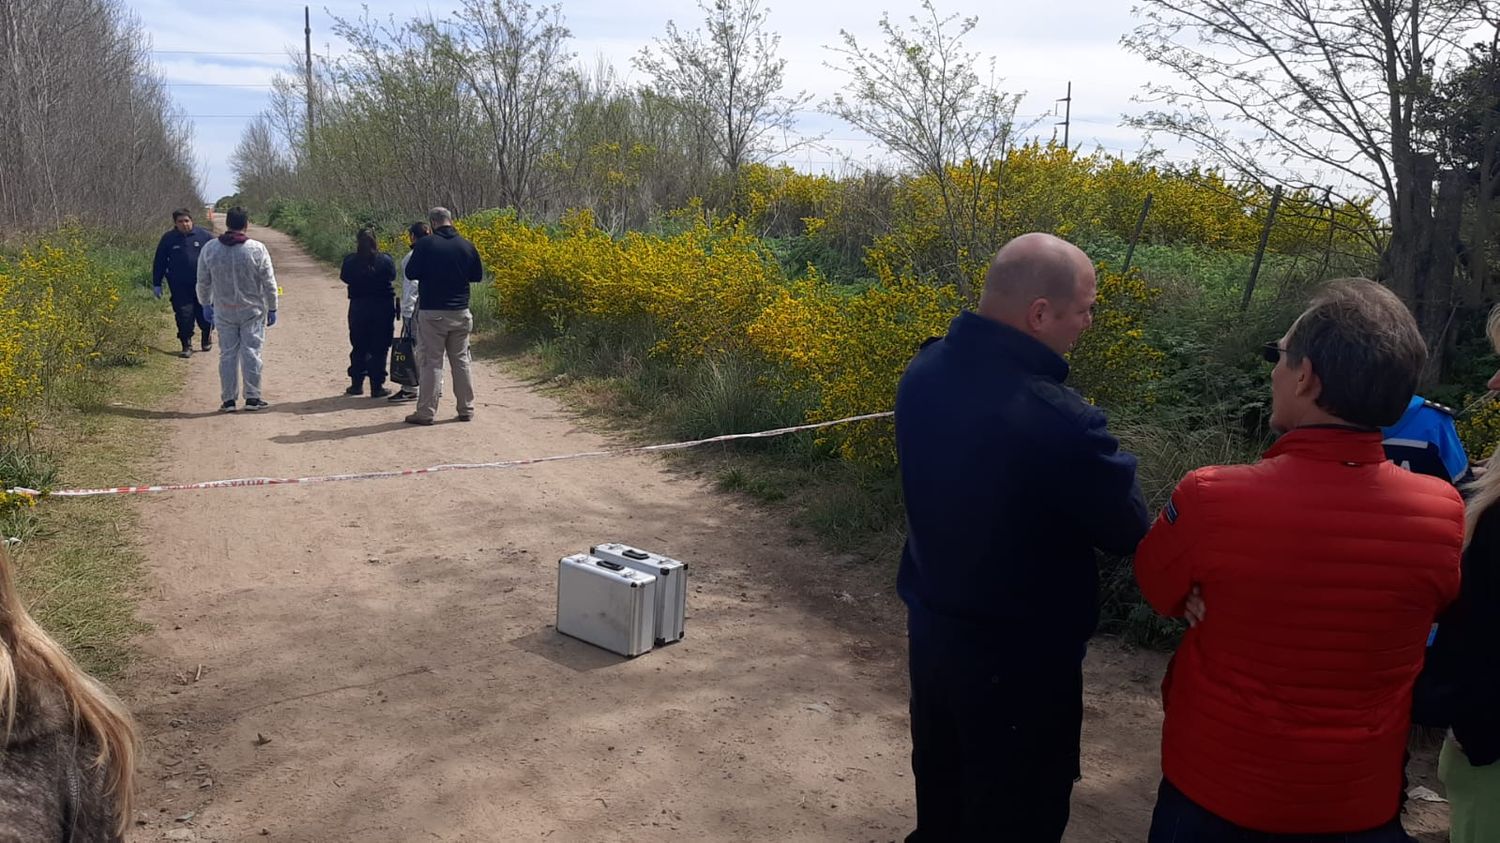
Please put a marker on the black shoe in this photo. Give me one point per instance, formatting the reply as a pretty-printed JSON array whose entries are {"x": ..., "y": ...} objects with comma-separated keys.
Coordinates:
[
  {"x": 466, "y": 417},
  {"x": 208, "y": 344},
  {"x": 402, "y": 397},
  {"x": 253, "y": 404},
  {"x": 186, "y": 352},
  {"x": 356, "y": 389},
  {"x": 228, "y": 406},
  {"x": 379, "y": 392}
]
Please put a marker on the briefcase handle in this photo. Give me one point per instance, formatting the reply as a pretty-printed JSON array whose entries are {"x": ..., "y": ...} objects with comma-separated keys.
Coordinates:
[
  {"x": 613, "y": 566},
  {"x": 635, "y": 554}
]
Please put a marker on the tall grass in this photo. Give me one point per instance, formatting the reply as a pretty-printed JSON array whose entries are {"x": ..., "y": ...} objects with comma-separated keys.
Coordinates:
[{"x": 78, "y": 564}]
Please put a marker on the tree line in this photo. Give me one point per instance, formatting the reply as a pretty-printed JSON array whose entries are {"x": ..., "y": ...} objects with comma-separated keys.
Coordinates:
[
  {"x": 91, "y": 132},
  {"x": 1390, "y": 102}
]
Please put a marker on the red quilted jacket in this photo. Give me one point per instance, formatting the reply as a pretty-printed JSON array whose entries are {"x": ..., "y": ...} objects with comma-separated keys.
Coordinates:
[{"x": 1322, "y": 567}]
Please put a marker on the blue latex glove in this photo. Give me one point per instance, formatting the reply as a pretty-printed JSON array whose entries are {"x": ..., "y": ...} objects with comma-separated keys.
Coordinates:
[
  {"x": 271, "y": 318},
  {"x": 208, "y": 313},
  {"x": 156, "y": 290}
]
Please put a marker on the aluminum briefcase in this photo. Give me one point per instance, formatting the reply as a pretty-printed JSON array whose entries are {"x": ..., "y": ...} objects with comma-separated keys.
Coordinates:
[
  {"x": 606, "y": 604},
  {"x": 671, "y": 585}
]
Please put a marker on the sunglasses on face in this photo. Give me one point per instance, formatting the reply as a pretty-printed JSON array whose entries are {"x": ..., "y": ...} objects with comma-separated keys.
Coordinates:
[{"x": 1272, "y": 352}]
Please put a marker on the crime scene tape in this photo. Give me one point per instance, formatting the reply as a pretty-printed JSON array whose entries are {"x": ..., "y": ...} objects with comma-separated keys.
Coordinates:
[{"x": 435, "y": 469}]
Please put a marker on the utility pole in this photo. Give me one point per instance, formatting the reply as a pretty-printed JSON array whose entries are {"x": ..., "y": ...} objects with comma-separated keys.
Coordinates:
[
  {"x": 1067, "y": 102},
  {"x": 307, "y": 38}
]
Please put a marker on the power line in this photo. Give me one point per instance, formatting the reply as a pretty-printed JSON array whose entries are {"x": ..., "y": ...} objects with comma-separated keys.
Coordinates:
[
  {"x": 212, "y": 53},
  {"x": 217, "y": 85}
]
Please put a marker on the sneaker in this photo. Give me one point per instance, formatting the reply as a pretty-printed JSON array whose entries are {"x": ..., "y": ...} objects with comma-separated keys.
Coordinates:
[
  {"x": 253, "y": 404},
  {"x": 402, "y": 397},
  {"x": 186, "y": 352},
  {"x": 208, "y": 344},
  {"x": 357, "y": 389},
  {"x": 379, "y": 392},
  {"x": 425, "y": 421},
  {"x": 465, "y": 416},
  {"x": 228, "y": 407}
]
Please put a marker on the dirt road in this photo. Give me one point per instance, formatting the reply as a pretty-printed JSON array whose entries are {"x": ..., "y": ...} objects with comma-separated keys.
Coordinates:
[{"x": 374, "y": 661}]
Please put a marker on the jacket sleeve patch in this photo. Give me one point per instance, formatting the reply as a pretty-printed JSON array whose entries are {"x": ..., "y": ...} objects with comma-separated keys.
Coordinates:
[{"x": 1170, "y": 512}]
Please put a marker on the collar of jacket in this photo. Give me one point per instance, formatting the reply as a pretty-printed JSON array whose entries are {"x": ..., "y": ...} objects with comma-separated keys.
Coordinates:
[
  {"x": 1331, "y": 444},
  {"x": 973, "y": 333}
]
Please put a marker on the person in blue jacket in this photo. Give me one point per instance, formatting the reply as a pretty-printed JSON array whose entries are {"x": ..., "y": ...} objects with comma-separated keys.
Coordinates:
[
  {"x": 1011, "y": 481},
  {"x": 177, "y": 263},
  {"x": 1425, "y": 440}
]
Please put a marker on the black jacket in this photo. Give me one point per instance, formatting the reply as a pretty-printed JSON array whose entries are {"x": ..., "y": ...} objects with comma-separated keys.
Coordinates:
[
  {"x": 1011, "y": 481},
  {"x": 444, "y": 264},
  {"x": 369, "y": 281},
  {"x": 1460, "y": 682},
  {"x": 177, "y": 262}
]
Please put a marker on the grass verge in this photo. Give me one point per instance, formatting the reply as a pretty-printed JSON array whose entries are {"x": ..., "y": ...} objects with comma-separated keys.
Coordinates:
[{"x": 80, "y": 561}]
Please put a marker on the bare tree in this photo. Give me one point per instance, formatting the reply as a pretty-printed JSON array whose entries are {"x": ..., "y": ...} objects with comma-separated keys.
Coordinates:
[
  {"x": 922, "y": 96},
  {"x": 93, "y": 134},
  {"x": 1463, "y": 114},
  {"x": 513, "y": 59},
  {"x": 726, "y": 81},
  {"x": 1269, "y": 86},
  {"x": 263, "y": 168}
]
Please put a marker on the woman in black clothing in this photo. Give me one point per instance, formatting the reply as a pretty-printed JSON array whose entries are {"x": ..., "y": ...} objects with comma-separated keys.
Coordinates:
[
  {"x": 369, "y": 273},
  {"x": 1463, "y": 665}
]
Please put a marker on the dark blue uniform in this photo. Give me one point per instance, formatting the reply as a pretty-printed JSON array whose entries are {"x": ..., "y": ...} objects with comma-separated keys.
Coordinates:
[
  {"x": 1011, "y": 481},
  {"x": 177, "y": 262},
  {"x": 372, "y": 314}
]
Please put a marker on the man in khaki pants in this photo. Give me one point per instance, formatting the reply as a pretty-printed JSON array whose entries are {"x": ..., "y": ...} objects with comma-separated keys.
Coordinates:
[{"x": 443, "y": 265}]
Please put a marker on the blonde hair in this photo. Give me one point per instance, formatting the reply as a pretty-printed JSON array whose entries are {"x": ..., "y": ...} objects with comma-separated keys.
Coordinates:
[
  {"x": 29, "y": 656},
  {"x": 1484, "y": 492}
]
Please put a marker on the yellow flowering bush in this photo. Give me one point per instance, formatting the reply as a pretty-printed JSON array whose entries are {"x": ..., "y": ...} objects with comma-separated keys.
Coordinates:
[
  {"x": 695, "y": 289},
  {"x": 1045, "y": 187},
  {"x": 781, "y": 200},
  {"x": 1113, "y": 363},
  {"x": 709, "y": 289},
  {"x": 846, "y": 351},
  {"x": 1480, "y": 429},
  {"x": 58, "y": 311}
]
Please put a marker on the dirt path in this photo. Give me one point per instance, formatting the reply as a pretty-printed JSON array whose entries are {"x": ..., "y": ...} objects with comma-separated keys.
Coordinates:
[{"x": 374, "y": 661}]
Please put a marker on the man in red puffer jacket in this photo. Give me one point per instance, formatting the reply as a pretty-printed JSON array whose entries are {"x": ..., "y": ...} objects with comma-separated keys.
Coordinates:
[{"x": 1312, "y": 578}]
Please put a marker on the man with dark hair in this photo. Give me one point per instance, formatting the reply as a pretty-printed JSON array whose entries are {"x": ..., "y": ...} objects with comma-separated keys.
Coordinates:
[
  {"x": 177, "y": 263},
  {"x": 1317, "y": 574},
  {"x": 1011, "y": 481},
  {"x": 237, "y": 286},
  {"x": 444, "y": 265}
]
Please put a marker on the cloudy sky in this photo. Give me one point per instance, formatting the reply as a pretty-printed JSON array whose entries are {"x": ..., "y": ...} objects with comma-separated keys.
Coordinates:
[{"x": 219, "y": 60}]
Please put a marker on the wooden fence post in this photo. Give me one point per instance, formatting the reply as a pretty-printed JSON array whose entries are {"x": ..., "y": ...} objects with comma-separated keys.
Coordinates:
[
  {"x": 1140, "y": 223},
  {"x": 1260, "y": 251}
]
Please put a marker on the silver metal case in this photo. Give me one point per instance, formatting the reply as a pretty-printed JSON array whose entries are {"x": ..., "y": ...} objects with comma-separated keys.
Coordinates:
[
  {"x": 606, "y": 604},
  {"x": 671, "y": 585}
]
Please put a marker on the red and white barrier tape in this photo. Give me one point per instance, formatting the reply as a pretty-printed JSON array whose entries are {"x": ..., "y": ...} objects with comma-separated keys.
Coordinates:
[{"x": 409, "y": 472}]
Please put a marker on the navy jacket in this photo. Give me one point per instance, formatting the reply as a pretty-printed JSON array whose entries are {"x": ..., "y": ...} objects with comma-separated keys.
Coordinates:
[
  {"x": 177, "y": 262},
  {"x": 444, "y": 264},
  {"x": 369, "y": 281},
  {"x": 1011, "y": 481}
]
